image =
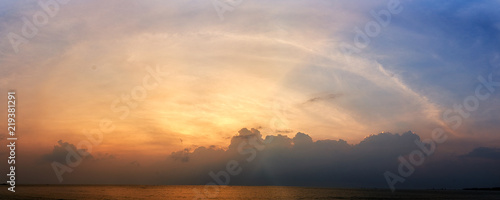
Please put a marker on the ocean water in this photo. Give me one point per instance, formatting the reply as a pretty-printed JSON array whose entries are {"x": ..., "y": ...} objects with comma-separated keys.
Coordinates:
[{"x": 231, "y": 192}]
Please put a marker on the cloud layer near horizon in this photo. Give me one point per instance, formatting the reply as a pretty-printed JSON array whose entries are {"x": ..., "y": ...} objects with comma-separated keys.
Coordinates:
[{"x": 280, "y": 160}]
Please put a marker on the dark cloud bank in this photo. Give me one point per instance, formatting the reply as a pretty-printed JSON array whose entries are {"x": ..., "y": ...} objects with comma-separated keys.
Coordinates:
[{"x": 300, "y": 161}]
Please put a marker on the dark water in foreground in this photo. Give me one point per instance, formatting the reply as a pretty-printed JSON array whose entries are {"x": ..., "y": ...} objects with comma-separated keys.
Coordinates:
[{"x": 231, "y": 192}]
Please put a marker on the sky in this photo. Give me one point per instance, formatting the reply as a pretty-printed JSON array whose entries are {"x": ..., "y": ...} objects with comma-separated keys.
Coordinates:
[{"x": 332, "y": 93}]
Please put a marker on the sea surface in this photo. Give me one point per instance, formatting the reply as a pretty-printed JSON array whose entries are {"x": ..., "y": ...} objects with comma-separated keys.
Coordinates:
[{"x": 230, "y": 192}]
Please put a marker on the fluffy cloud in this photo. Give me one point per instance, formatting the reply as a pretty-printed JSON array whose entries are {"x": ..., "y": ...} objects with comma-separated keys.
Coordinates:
[
  {"x": 281, "y": 160},
  {"x": 60, "y": 152}
]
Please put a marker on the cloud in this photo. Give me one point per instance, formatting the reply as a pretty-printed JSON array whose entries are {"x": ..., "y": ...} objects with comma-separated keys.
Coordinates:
[
  {"x": 181, "y": 155},
  {"x": 324, "y": 97},
  {"x": 299, "y": 161},
  {"x": 280, "y": 160},
  {"x": 484, "y": 152},
  {"x": 60, "y": 152}
]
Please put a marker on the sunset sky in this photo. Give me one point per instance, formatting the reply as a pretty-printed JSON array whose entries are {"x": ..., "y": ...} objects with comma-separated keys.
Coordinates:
[{"x": 179, "y": 85}]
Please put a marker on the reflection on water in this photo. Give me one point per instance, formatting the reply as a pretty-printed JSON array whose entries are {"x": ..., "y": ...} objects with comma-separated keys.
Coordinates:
[{"x": 231, "y": 192}]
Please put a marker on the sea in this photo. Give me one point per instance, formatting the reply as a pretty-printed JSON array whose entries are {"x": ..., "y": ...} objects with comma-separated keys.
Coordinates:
[{"x": 102, "y": 192}]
